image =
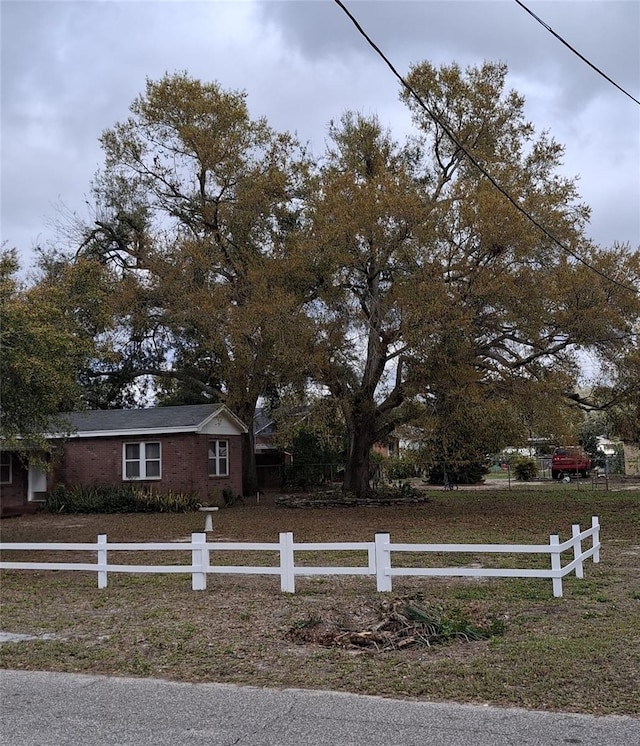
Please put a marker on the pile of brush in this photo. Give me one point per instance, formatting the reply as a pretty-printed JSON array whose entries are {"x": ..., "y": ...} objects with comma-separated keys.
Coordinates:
[{"x": 401, "y": 623}]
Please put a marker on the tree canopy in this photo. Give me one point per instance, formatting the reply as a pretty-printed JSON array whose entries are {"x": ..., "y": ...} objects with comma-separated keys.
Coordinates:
[
  {"x": 438, "y": 296},
  {"x": 194, "y": 207},
  {"x": 389, "y": 275},
  {"x": 43, "y": 348}
]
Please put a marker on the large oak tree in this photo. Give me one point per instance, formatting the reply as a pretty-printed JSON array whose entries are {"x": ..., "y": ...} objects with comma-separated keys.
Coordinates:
[
  {"x": 194, "y": 207},
  {"x": 435, "y": 288}
]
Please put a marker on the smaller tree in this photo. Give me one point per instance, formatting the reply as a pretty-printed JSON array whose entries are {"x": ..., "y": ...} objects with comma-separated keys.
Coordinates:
[{"x": 42, "y": 349}]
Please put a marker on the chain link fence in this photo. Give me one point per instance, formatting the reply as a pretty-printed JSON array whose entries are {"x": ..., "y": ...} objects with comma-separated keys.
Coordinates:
[
  {"x": 309, "y": 476},
  {"x": 299, "y": 476}
]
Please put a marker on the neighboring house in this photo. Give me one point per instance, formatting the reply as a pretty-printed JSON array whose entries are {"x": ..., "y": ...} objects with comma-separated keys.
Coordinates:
[
  {"x": 270, "y": 458},
  {"x": 390, "y": 447},
  {"x": 607, "y": 446},
  {"x": 188, "y": 449}
]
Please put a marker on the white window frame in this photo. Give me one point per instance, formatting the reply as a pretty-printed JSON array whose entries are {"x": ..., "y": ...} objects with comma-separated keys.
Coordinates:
[
  {"x": 7, "y": 455},
  {"x": 217, "y": 459},
  {"x": 143, "y": 460}
]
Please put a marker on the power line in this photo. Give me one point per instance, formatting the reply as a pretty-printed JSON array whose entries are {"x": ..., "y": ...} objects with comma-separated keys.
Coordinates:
[
  {"x": 575, "y": 51},
  {"x": 473, "y": 160}
]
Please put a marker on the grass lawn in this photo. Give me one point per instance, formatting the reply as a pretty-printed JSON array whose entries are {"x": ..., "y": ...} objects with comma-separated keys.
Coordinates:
[{"x": 578, "y": 653}]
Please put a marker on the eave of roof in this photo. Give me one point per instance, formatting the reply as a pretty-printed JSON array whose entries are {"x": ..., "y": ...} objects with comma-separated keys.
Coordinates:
[{"x": 127, "y": 432}]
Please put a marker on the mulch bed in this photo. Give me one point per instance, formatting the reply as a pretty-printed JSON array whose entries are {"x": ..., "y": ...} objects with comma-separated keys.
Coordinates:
[{"x": 337, "y": 500}]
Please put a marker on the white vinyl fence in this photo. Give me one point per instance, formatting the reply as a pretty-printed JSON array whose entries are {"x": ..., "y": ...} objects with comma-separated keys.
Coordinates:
[{"x": 379, "y": 553}]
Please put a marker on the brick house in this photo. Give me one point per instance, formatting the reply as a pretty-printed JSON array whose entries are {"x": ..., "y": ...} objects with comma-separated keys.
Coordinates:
[{"x": 195, "y": 448}]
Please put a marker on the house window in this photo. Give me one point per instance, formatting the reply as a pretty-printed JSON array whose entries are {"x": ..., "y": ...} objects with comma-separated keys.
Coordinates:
[
  {"x": 141, "y": 461},
  {"x": 5, "y": 467},
  {"x": 218, "y": 458}
]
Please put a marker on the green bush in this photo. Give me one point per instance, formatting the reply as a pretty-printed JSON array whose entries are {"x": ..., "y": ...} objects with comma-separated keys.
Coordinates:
[
  {"x": 471, "y": 472},
  {"x": 525, "y": 468},
  {"x": 306, "y": 476},
  {"x": 105, "y": 498},
  {"x": 398, "y": 468},
  {"x": 230, "y": 498},
  {"x": 392, "y": 492}
]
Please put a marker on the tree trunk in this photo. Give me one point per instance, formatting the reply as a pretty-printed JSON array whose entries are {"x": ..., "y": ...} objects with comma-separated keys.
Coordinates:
[
  {"x": 356, "y": 477},
  {"x": 249, "y": 469},
  {"x": 245, "y": 410}
]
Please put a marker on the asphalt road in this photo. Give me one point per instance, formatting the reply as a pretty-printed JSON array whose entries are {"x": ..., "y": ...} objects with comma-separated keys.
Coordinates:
[{"x": 53, "y": 709}]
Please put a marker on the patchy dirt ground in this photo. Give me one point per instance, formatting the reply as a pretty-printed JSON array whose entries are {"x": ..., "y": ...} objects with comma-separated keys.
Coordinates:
[{"x": 578, "y": 653}]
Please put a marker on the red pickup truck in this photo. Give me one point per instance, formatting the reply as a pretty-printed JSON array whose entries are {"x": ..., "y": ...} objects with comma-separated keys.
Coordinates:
[{"x": 570, "y": 461}]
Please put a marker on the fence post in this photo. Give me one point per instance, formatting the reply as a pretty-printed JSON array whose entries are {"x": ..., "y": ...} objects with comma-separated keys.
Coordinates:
[
  {"x": 371, "y": 558},
  {"x": 200, "y": 562},
  {"x": 383, "y": 562},
  {"x": 102, "y": 560},
  {"x": 595, "y": 525},
  {"x": 287, "y": 572},
  {"x": 556, "y": 564},
  {"x": 577, "y": 550}
]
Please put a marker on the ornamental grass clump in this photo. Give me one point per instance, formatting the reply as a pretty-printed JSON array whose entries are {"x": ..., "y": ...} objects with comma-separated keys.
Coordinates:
[{"x": 118, "y": 499}]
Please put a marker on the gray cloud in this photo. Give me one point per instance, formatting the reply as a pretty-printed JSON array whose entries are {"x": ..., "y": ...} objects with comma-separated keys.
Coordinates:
[
  {"x": 469, "y": 31},
  {"x": 71, "y": 69}
]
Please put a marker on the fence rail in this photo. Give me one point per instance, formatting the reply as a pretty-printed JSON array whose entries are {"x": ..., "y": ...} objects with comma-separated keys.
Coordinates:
[{"x": 379, "y": 558}]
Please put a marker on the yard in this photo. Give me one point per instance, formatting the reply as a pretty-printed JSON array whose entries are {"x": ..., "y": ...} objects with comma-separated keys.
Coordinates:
[{"x": 578, "y": 653}]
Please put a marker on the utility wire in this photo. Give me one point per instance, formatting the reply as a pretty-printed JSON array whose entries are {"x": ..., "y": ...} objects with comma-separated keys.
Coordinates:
[
  {"x": 473, "y": 160},
  {"x": 575, "y": 51}
]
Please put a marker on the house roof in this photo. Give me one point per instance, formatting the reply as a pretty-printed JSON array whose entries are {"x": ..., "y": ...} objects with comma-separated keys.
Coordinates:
[
  {"x": 263, "y": 423},
  {"x": 156, "y": 420}
]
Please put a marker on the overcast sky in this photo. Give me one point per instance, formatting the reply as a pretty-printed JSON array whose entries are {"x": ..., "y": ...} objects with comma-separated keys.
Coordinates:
[{"x": 71, "y": 69}]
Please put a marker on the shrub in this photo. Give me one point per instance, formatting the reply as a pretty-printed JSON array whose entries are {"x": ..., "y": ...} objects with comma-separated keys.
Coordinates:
[
  {"x": 230, "y": 498},
  {"x": 106, "y": 498},
  {"x": 461, "y": 473},
  {"x": 305, "y": 476},
  {"x": 525, "y": 468},
  {"x": 392, "y": 492},
  {"x": 398, "y": 468}
]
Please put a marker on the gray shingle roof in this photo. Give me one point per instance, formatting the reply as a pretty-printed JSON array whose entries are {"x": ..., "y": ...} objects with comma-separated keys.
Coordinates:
[{"x": 118, "y": 420}]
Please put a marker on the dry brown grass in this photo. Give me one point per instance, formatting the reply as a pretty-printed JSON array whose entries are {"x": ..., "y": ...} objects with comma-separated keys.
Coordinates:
[{"x": 579, "y": 653}]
